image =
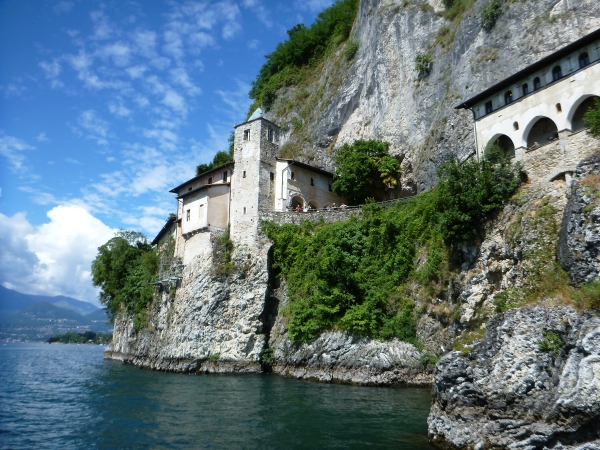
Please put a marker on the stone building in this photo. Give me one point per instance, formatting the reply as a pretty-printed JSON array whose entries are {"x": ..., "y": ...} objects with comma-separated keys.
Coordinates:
[
  {"x": 236, "y": 194},
  {"x": 542, "y": 104}
]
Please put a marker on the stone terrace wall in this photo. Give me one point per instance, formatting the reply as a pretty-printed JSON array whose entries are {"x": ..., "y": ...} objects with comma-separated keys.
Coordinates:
[
  {"x": 293, "y": 217},
  {"x": 562, "y": 155}
]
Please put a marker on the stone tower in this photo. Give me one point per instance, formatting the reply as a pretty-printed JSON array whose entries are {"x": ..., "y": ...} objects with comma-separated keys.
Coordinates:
[{"x": 253, "y": 185}]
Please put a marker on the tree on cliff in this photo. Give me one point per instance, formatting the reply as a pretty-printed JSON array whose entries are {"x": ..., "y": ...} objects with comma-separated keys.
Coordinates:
[
  {"x": 124, "y": 270},
  {"x": 592, "y": 119},
  {"x": 365, "y": 169}
]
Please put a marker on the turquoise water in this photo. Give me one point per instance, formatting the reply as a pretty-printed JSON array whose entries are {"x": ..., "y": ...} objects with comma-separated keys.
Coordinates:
[{"x": 67, "y": 396}]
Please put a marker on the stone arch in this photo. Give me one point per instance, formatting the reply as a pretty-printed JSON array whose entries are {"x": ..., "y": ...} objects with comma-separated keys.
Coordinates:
[
  {"x": 579, "y": 108},
  {"x": 540, "y": 130},
  {"x": 313, "y": 204},
  {"x": 505, "y": 143},
  {"x": 297, "y": 200}
]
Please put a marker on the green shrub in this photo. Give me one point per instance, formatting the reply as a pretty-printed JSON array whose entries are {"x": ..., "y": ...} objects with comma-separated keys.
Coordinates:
[
  {"x": 365, "y": 169},
  {"x": 490, "y": 14},
  {"x": 351, "y": 48},
  {"x": 591, "y": 119},
  {"x": 551, "y": 342},
  {"x": 423, "y": 63},
  {"x": 304, "y": 46},
  {"x": 471, "y": 191},
  {"x": 588, "y": 295},
  {"x": 267, "y": 358},
  {"x": 214, "y": 357}
]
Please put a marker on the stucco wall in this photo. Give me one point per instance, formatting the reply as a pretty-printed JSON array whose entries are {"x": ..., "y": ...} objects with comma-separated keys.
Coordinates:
[
  {"x": 218, "y": 206},
  {"x": 196, "y": 204}
]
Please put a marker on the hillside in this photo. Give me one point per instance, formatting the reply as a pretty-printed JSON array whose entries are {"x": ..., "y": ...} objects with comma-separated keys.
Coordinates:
[{"x": 12, "y": 302}]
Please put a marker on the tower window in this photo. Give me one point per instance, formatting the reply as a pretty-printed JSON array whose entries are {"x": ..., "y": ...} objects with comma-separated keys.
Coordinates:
[
  {"x": 189, "y": 189},
  {"x": 516, "y": 126},
  {"x": 525, "y": 89},
  {"x": 488, "y": 107},
  {"x": 558, "y": 108},
  {"x": 537, "y": 84},
  {"x": 244, "y": 174},
  {"x": 187, "y": 215},
  {"x": 293, "y": 176},
  {"x": 508, "y": 98},
  {"x": 247, "y": 135},
  {"x": 244, "y": 210},
  {"x": 209, "y": 180},
  {"x": 272, "y": 176},
  {"x": 584, "y": 59},
  {"x": 270, "y": 134},
  {"x": 556, "y": 73},
  {"x": 225, "y": 177},
  {"x": 312, "y": 182},
  {"x": 330, "y": 190}
]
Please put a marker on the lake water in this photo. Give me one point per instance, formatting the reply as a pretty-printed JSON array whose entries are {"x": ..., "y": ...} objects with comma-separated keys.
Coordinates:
[{"x": 68, "y": 397}]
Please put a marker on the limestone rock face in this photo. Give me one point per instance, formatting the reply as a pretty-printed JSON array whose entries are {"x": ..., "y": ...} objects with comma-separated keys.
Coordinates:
[
  {"x": 381, "y": 96},
  {"x": 509, "y": 393},
  {"x": 213, "y": 323},
  {"x": 579, "y": 248}
]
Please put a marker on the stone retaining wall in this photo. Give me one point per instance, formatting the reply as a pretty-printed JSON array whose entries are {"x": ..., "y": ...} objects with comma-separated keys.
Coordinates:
[{"x": 281, "y": 217}]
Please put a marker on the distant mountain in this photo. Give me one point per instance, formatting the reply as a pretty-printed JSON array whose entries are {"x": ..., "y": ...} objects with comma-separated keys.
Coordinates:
[
  {"x": 12, "y": 302},
  {"x": 42, "y": 319}
]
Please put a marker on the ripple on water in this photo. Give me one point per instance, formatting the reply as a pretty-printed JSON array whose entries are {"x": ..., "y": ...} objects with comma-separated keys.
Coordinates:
[{"x": 67, "y": 396}]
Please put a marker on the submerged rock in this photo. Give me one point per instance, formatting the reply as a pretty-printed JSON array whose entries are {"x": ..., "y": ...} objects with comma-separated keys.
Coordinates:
[{"x": 532, "y": 382}]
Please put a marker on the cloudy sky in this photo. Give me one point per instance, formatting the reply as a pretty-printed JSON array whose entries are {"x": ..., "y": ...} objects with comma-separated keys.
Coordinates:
[{"x": 105, "y": 106}]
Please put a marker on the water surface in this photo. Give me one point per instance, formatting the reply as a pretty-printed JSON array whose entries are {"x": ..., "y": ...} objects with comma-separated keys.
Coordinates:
[{"x": 67, "y": 396}]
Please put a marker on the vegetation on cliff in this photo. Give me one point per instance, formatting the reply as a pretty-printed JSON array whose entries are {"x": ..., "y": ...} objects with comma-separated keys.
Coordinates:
[
  {"x": 304, "y": 46},
  {"x": 592, "y": 119},
  {"x": 124, "y": 270},
  {"x": 81, "y": 338},
  {"x": 362, "y": 275}
]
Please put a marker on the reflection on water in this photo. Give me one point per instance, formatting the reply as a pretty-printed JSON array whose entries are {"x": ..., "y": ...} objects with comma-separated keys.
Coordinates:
[{"x": 66, "y": 396}]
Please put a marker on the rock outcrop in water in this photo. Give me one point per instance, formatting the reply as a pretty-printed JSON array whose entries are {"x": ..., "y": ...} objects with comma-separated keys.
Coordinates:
[{"x": 532, "y": 382}]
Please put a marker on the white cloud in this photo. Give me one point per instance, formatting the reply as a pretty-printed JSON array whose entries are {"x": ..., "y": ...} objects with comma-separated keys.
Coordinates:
[
  {"x": 175, "y": 101},
  {"x": 42, "y": 137},
  {"x": 261, "y": 12},
  {"x": 253, "y": 44},
  {"x": 180, "y": 77},
  {"x": 12, "y": 90},
  {"x": 12, "y": 149},
  {"x": 237, "y": 100},
  {"x": 73, "y": 161},
  {"x": 102, "y": 28},
  {"x": 54, "y": 258},
  {"x": 117, "y": 108},
  {"x": 96, "y": 127},
  {"x": 63, "y": 7},
  {"x": 313, "y": 5},
  {"x": 119, "y": 52}
]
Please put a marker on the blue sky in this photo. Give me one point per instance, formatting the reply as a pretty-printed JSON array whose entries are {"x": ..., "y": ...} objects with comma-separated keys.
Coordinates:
[{"x": 105, "y": 106}]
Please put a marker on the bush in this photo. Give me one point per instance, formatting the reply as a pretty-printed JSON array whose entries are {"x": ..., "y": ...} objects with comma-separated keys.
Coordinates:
[
  {"x": 551, "y": 342},
  {"x": 351, "y": 49},
  {"x": 423, "y": 63},
  {"x": 470, "y": 191},
  {"x": 305, "y": 45},
  {"x": 588, "y": 296},
  {"x": 365, "y": 169},
  {"x": 591, "y": 119},
  {"x": 490, "y": 14}
]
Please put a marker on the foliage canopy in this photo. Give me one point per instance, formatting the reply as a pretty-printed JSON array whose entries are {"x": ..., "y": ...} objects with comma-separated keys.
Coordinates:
[
  {"x": 124, "y": 269},
  {"x": 592, "y": 119},
  {"x": 365, "y": 169},
  {"x": 305, "y": 45}
]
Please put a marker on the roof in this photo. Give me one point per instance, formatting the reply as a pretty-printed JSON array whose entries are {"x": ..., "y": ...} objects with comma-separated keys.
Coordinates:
[
  {"x": 306, "y": 166},
  {"x": 214, "y": 169},
  {"x": 257, "y": 114},
  {"x": 547, "y": 61},
  {"x": 204, "y": 186},
  {"x": 164, "y": 229}
]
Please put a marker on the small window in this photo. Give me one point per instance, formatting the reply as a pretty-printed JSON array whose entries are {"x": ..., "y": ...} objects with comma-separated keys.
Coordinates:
[
  {"x": 272, "y": 176},
  {"x": 189, "y": 189},
  {"x": 312, "y": 182},
  {"x": 187, "y": 215},
  {"x": 247, "y": 135},
  {"x": 508, "y": 98},
  {"x": 516, "y": 126},
  {"x": 556, "y": 73},
  {"x": 488, "y": 107},
  {"x": 525, "y": 89},
  {"x": 209, "y": 180},
  {"x": 201, "y": 211},
  {"x": 270, "y": 134},
  {"x": 225, "y": 177},
  {"x": 330, "y": 190},
  {"x": 584, "y": 60},
  {"x": 244, "y": 210},
  {"x": 537, "y": 84},
  {"x": 558, "y": 108},
  {"x": 244, "y": 174},
  {"x": 293, "y": 176}
]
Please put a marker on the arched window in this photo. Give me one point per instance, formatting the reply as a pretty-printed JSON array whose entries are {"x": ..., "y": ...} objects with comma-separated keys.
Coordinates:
[
  {"x": 525, "y": 89},
  {"x": 577, "y": 122},
  {"x": 542, "y": 132},
  {"x": 584, "y": 59},
  {"x": 537, "y": 83},
  {"x": 556, "y": 73},
  {"x": 508, "y": 98},
  {"x": 488, "y": 107}
]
